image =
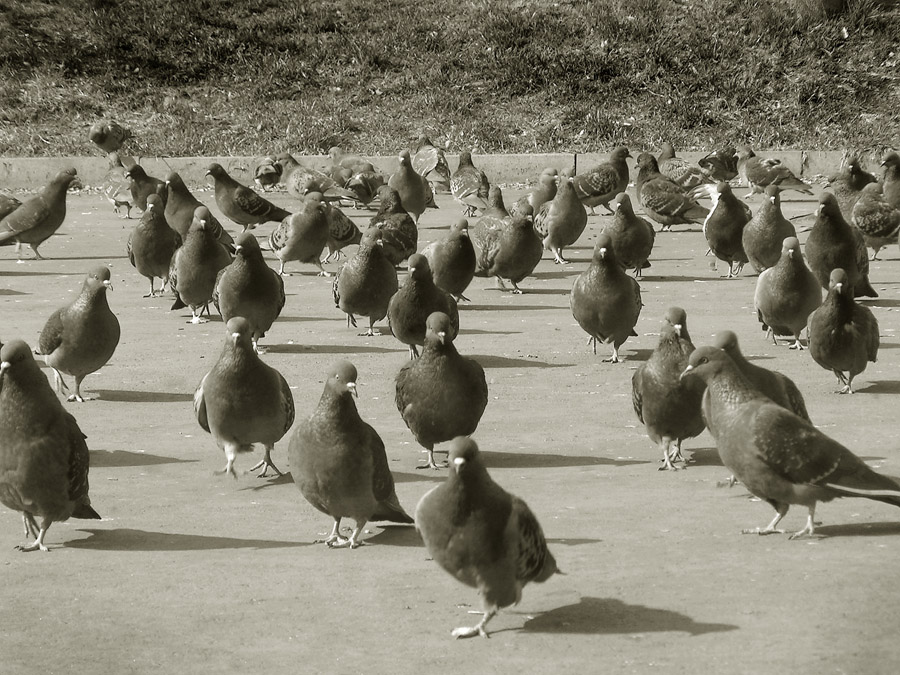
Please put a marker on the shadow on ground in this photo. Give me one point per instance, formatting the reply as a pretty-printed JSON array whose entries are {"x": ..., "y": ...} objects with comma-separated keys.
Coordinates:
[
  {"x": 491, "y": 361},
  {"x": 118, "y": 458},
  {"x": 527, "y": 460},
  {"x": 880, "y": 529},
  {"x": 127, "y": 396},
  {"x": 330, "y": 349},
  {"x": 125, "y": 539},
  {"x": 606, "y": 616}
]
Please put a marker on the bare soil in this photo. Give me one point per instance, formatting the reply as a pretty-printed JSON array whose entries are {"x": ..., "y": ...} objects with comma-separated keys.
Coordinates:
[{"x": 193, "y": 572}]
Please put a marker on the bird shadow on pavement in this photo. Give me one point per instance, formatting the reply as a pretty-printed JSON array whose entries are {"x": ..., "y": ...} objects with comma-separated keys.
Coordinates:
[
  {"x": 127, "y": 396},
  {"x": 119, "y": 458},
  {"x": 396, "y": 535},
  {"x": 491, "y": 361},
  {"x": 300, "y": 319},
  {"x": 269, "y": 481},
  {"x": 879, "y": 529},
  {"x": 879, "y": 302},
  {"x": 703, "y": 457},
  {"x": 29, "y": 273},
  {"x": 126, "y": 539},
  {"x": 607, "y": 616},
  {"x": 476, "y": 331},
  {"x": 528, "y": 460},
  {"x": 637, "y": 354},
  {"x": 331, "y": 349},
  {"x": 91, "y": 257},
  {"x": 419, "y": 476},
  {"x": 564, "y": 274},
  {"x": 881, "y": 387},
  {"x": 507, "y": 308},
  {"x": 549, "y": 291},
  {"x": 9, "y": 291}
]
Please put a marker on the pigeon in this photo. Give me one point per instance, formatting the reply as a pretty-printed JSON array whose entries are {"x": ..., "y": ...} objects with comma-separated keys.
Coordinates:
[
  {"x": 342, "y": 232},
  {"x": 777, "y": 386},
  {"x": 39, "y": 217},
  {"x": 240, "y": 203},
  {"x": 720, "y": 165},
  {"x": 401, "y": 236},
  {"x": 679, "y": 170},
  {"x": 80, "y": 338},
  {"x": 429, "y": 162},
  {"x": 109, "y": 135},
  {"x": 339, "y": 463},
  {"x": 440, "y": 395},
  {"x": 843, "y": 336},
  {"x": 414, "y": 190},
  {"x": 364, "y": 185},
  {"x": 417, "y": 298},
  {"x": 511, "y": 250},
  {"x": 242, "y": 401},
  {"x": 786, "y": 294},
  {"x": 183, "y": 210},
  {"x": 452, "y": 260},
  {"x": 494, "y": 215},
  {"x": 601, "y": 183},
  {"x": 151, "y": 245},
  {"x": 668, "y": 406},
  {"x": 469, "y": 185},
  {"x": 267, "y": 173},
  {"x": 249, "y": 288},
  {"x": 303, "y": 235},
  {"x": 482, "y": 535},
  {"x": 767, "y": 229},
  {"x": 302, "y": 181},
  {"x": 834, "y": 243},
  {"x": 365, "y": 284},
  {"x": 758, "y": 172},
  {"x": 8, "y": 204},
  {"x": 724, "y": 227},
  {"x": 876, "y": 218},
  {"x": 890, "y": 181},
  {"x": 44, "y": 461},
  {"x": 195, "y": 268},
  {"x": 115, "y": 186},
  {"x": 342, "y": 160},
  {"x": 561, "y": 221},
  {"x": 605, "y": 301},
  {"x": 632, "y": 236},
  {"x": 544, "y": 191},
  {"x": 847, "y": 184},
  {"x": 142, "y": 186},
  {"x": 663, "y": 199},
  {"x": 780, "y": 457}
]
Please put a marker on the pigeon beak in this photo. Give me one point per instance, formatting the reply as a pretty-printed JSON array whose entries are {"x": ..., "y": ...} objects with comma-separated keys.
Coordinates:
[
  {"x": 686, "y": 371},
  {"x": 772, "y": 199},
  {"x": 838, "y": 286},
  {"x": 819, "y": 210},
  {"x": 235, "y": 337},
  {"x": 458, "y": 463},
  {"x": 351, "y": 387},
  {"x": 108, "y": 285},
  {"x": 678, "y": 328},
  {"x": 6, "y": 365},
  {"x": 237, "y": 247},
  {"x": 443, "y": 336},
  {"x": 412, "y": 269},
  {"x": 603, "y": 252}
]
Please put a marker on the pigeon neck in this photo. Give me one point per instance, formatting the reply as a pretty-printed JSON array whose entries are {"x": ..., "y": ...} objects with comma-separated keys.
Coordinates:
[
  {"x": 27, "y": 392},
  {"x": 338, "y": 406},
  {"x": 434, "y": 348},
  {"x": 729, "y": 388}
]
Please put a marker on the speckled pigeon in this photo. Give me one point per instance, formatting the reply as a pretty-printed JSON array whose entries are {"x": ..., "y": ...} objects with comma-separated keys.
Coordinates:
[
  {"x": 876, "y": 218},
  {"x": 598, "y": 186}
]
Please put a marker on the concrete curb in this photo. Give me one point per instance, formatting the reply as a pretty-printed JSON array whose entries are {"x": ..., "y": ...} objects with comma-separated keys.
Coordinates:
[{"x": 28, "y": 173}]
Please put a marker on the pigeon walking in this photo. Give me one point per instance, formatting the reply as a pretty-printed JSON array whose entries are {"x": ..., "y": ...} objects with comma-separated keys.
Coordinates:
[
  {"x": 183, "y": 210},
  {"x": 544, "y": 191},
  {"x": 342, "y": 232},
  {"x": 399, "y": 230},
  {"x": 758, "y": 173},
  {"x": 599, "y": 185},
  {"x": 429, "y": 162},
  {"x": 664, "y": 200},
  {"x": 195, "y": 268},
  {"x": 561, "y": 221},
  {"x": 240, "y": 203},
  {"x": 115, "y": 185},
  {"x": 152, "y": 244},
  {"x": 787, "y": 294},
  {"x": 366, "y": 283},
  {"x": 891, "y": 179},
  {"x": 724, "y": 228},
  {"x": 768, "y": 228},
  {"x": 720, "y": 165},
  {"x": 780, "y": 457},
  {"x": 847, "y": 185},
  {"x": 876, "y": 218},
  {"x": 482, "y": 535},
  {"x": 242, "y": 401},
  {"x": 39, "y": 217},
  {"x": 413, "y": 189},
  {"x": 142, "y": 186},
  {"x": 680, "y": 170},
  {"x": 452, "y": 260},
  {"x": 80, "y": 338},
  {"x": 469, "y": 185},
  {"x": 303, "y": 235},
  {"x": 668, "y": 406},
  {"x": 509, "y": 250},
  {"x": 44, "y": 461},
  {"x": 339, "y": 463},
  {"x": 605, "y": 301},
  {"x": 843, "y": 336},
  {"x": 632, "y": 236},
  {"x": 440, "y": 395}
]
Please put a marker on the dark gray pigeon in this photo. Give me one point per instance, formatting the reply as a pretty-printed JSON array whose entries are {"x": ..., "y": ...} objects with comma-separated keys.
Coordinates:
[
  {"x": 302, "y": 236},
  {"x": 511, "y": 249},
  {"x": 401, "y": 235},
  {"x": 876, "y": 218},
  {"x": 152, "y": 244},
  {"x": 561, "y": 221},
  {"x": 632, "y": 236},
  {"x": 664, "y": 200},
  {"x": 452, "y": 260},
  {"x": 39, "y": 217},
  {"x": 724, "y": 227},
  {"x": 764, "y": 234},
  {"x": 366, "y": 283},
  {"x": 240, "y": 203},
  {"x": 195, "y": 268}
]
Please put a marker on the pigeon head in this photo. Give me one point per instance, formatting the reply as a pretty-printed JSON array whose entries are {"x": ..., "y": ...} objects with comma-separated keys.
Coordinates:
[
  {"x": 202, "y": 218},
  {"x": 461, "y": 226},
  {"x": 495, "y": 197},
  {"x": 390, "y": 199},
  {"x": 603, "y": 250},
  {"x": 464, "y": 456},
  {"x": 405, "y": 160},
  {"x": 891, "y": 161},
  {"x": 773, "y": 192},
  {"x": 622, "y": 201},
  {"x": 647, "y": 162},
  {"x": 12, "y": 355},
  {"x": 790, "y": 246},
  {"x": 465, "y": 158},
  {"x": 423, "y": 141},
  {"x": 239, "y": 333},
  {"x": 419, "y": 268},
  {"x": 335, "y": 153},
  {"x": 174, "y": 179},
  {"x": 668, "y": 151},
  {"x": 839, "y": 283},
  {"x": 98, "y": 278},
  {"x": 215, "y": 170},
  {"x": 313, "y": 202},
  {"x": 438, "y": 327},
  {"x": 727, "y": 341},
  {"x": 246, "y": 244},
  {"x": 342, "y": 379},
  {"x": 64, "y": 178},
  {"x": 136, "y": 172},
  {"x": 828, "y": 207},
  {"x": 152, "y": 202},
  {"x": 619, "y": 154},
  {"x": 677, "y": 318},
  {"x": 706, "y": 363},
  {"x": 746, "y": 152},
  {"x": 372, "y": 237}
]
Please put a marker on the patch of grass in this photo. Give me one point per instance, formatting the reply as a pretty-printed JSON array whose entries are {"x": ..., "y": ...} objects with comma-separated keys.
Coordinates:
[{"x": 253, "y": 76}]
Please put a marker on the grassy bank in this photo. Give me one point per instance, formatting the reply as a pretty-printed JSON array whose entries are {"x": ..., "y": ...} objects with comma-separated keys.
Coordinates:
[{"x": 201, "y": 77}]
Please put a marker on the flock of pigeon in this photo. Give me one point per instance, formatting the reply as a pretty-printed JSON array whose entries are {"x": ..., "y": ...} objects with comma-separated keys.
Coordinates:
[{"x": 478, "y": 532}]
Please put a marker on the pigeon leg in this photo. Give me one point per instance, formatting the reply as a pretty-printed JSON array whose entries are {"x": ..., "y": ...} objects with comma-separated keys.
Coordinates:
[
  {"x": 266, "y": 464},
  {"x": 780, "y": 512},
  {"x": 615, "y": 356},
  {"x": 371, "y": 331},
  {"x": 461, "y": 297},
  {"x": 77, "y": 395},
  {"x": 351, "y": 320},
  {"x": 797, "y": 344},
  {"x": 152, "y": 293},
  {"x": 230, "y": 453},
  {"x": 478, "y": 629},
  {"x": 37, "y": 255},
  {"x": 413, "y": 352},
  {"x": 516, "y": 290},
  {"x": 810, "y": 528},
  {"x": 335, "y": 536},
  {"x": 322, "y": 271},
  {"x": 558, "y": 257},
  {"x": 354, "y": 540},
  {"x": 31, "y": 527},
  {"x": 667, "y": 455},
  {"x": 500, "y": 284},
  {"x": 281, "y": 270},
  {"x": 38, "y": 544},
  {"x": 197, "y": 318},
  {"x": 61, "y": 385},
  {"x": 592, "y": 341},
  {"x": 431, "y": 464},
  {"x": 256, "y": 346}
]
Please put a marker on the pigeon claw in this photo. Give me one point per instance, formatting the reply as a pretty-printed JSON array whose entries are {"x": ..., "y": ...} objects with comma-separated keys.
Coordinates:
[
  {"x": 75, "y": 398},
  {"x": 34, "y": 546},
  {"x": 469, "y": 631},
  {"x": 762, "y": 531}
]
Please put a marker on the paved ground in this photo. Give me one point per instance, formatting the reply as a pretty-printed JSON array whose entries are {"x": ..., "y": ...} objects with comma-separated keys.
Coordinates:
[{"x": 192, "y": 572}]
